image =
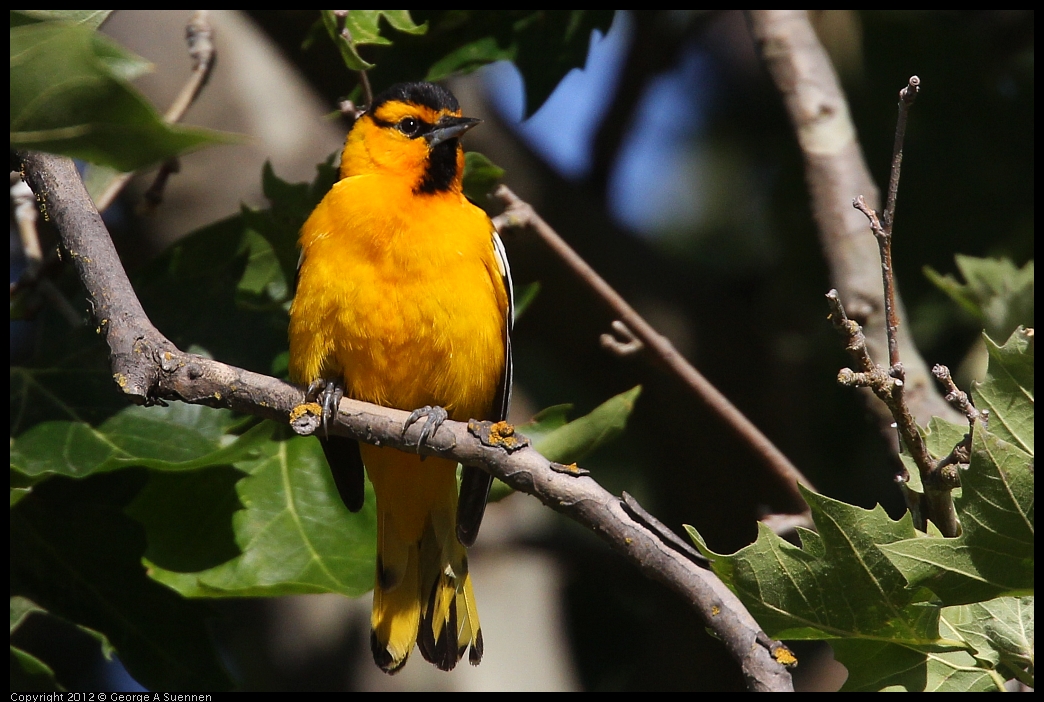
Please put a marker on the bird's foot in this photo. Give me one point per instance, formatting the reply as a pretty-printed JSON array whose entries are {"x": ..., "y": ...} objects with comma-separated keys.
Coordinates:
[
  {"x": 328, "y": 394},
  {"x": 435, "y": 417}
]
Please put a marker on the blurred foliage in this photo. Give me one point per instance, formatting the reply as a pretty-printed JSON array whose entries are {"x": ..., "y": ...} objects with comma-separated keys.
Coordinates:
[{"x": 70, "y": 95}]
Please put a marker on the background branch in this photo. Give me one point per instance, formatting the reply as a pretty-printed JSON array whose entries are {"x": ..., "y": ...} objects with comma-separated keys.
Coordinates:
[
  {"x": 199, "y": 36},
  {"x": 520, "y": 214},
  {"x": 836, "y": 172},
  {"x": 147, "y": 367}
]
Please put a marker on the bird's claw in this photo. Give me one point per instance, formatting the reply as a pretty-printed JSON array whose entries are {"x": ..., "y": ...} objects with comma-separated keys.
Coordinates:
[
  {"x": 329, "y": 394},
  {"x": 435, "y": 417}
]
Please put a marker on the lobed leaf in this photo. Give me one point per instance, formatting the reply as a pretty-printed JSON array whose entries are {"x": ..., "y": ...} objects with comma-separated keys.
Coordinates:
[{"x": 999, "y": 633}]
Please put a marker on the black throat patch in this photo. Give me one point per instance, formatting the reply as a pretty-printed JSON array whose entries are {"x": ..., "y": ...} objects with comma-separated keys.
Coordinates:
[{"x": 441, "y": 170}]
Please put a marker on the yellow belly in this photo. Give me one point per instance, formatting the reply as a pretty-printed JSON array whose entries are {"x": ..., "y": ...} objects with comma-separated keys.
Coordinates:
[{"x": 404, "y": 310}]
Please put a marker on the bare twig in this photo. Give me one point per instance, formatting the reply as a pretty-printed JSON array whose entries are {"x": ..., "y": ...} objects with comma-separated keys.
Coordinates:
[
  {"x": 954, "y": 395},
  {"x": 199, "y": 35},
  {"x": 961, "y": 453},
  {"x": 938, "y": 478},
  {"x": 888, "y": 386},
  {"x": 364, "y": 80},
  {"x": 521, "y": 214},
  {"x": 154, "y": 195},
  {"x": 906, "y": 98},
  {"x": 836, "y": 172},
  {"x": 148, "y": 367}
]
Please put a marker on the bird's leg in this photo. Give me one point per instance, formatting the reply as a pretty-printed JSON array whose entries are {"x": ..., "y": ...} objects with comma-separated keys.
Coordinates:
[
  {"x": 435, "y": 417},
  {"x": 328, "y": 394}
]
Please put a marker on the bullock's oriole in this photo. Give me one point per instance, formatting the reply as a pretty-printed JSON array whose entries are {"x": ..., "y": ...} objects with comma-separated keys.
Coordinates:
[{"x": 404, "y": 300}]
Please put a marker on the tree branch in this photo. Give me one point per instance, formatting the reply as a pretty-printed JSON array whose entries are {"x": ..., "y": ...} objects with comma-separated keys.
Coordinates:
[
  {"x": 836, "y": 173},
  {"x": 521, "y": 214},
  {"x": 147, "y": 368}
]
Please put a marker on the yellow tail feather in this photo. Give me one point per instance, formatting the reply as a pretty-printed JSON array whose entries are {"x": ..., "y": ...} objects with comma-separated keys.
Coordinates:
[{"x": 422, "y": 592}]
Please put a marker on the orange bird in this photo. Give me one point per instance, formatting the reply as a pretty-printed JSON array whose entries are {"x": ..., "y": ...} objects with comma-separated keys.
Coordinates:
[{"x": 404, "y": 300}]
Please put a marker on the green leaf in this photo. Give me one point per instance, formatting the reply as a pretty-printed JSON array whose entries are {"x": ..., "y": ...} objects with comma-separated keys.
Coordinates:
[
  {"x": 546, "y": 421},
  {"x": 567, "y": 442},
  {"x": 481, "y": 176},
  {"x": 22, "y": 607},
  {"x": 573, "y": 441},
  {"x": 194, "y": 294},
  {"x": 994, "y": 554},
  {"x": 875, "y": 666},
  {"x": 840, "y": 586},
  {"x": 940, "y": 437},
  {"x": 996, "y": 292},
  {"x": 999, "y": 632},
  {"x": 362, "y": 27},
  {"x": 1007, "y": 391},
  {"x": 69, "y": 95},
  {"x": 18, "y": 494},
  {"x": 178, "y": 437},
  {"x": 270, "y": 236},
  {"x": 470, "y": 57},
  {"x": 75, "y": 554},
  {"x": 812, "y": 594},
  {"x": 545, "y": 44},
  {"x": 274, "y": 526},
  {"x": 550, "y": 44},
  {"x": 29, "y": 673}
]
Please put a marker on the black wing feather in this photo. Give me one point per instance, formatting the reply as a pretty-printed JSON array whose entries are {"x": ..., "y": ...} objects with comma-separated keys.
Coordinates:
[
  {"x": 475, "y": 482},
  {"x": 346, "y": 466}
]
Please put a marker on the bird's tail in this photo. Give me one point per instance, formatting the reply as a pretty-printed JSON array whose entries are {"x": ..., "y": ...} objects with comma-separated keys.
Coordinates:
[{"x": 422, "y": 593}]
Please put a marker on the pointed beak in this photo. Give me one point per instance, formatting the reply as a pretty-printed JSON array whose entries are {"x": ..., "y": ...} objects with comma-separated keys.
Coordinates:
[{"x": 449, "y": 128}]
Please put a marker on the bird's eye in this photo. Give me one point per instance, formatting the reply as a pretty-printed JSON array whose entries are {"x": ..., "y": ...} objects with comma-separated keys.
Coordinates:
[{"x": 409, "y": 126}]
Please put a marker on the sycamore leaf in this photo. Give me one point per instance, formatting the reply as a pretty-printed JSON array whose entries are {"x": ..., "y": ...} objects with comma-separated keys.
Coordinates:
[
  {"x": 1007, "y": 392},
  {"x": 999, "y": 633},
  {"x": 996, "y": 292},
  {"x": 994, "y": 554},
  {"x": 839, "y": 586},
  {"x": 362, "y": 27},
  {"x": 544, "y": 44},
  {"x": 30, "y": 673},
  {"x": 940, "y": 436},
  {"x": 178, "y": 437},
  {"x": 881, "y": 666},
  {"x": 89, "y": 18},
  {"x": 563, "y": 441}
]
